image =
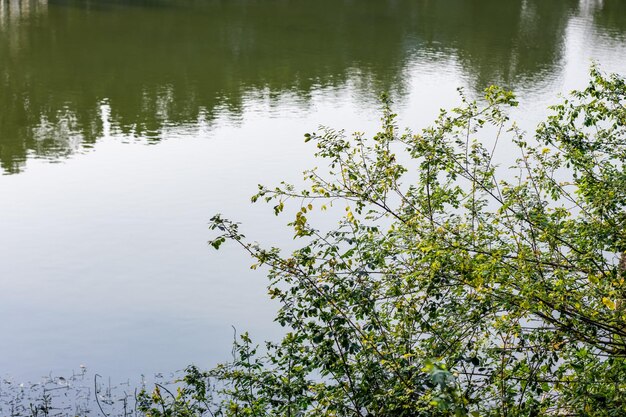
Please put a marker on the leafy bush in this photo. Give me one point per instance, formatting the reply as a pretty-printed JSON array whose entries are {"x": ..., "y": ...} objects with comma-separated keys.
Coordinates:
[{"x": 451, "y": 286}]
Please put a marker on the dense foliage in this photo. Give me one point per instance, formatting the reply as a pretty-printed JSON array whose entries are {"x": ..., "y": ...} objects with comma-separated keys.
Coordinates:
[{"x": 451, "y": 286}]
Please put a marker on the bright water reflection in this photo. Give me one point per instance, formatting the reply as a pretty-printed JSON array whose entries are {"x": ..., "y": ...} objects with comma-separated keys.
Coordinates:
[{"x": 103, "y": 258}]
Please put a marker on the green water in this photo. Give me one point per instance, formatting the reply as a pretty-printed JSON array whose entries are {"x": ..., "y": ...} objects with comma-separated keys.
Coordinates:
[
  {"x": 103, "y": 255},
  {"x": 167, "y": 62}
]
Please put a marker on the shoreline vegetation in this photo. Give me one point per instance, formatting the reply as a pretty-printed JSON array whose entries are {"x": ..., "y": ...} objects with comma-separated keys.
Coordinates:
[
  {"x": 451, "y": 286},
  {"x": 81, "y": 393}
]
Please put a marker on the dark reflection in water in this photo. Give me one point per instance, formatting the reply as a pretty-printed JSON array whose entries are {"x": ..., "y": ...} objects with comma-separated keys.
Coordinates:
[
  {"x": 171, "y": 63},
  {"x": 510, "y": 43},
  {"x": 610, "y": 16}
]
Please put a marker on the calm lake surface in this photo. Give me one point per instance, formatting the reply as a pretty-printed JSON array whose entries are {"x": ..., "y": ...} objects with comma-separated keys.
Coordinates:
[{"x": 125, "y": 125}]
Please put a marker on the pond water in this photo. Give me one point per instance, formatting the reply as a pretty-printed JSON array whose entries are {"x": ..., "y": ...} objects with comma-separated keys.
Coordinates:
[{"x": 125, "y": 125}]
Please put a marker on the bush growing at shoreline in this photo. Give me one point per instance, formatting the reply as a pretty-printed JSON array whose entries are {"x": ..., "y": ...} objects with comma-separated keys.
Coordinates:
[{"x": 451, "y": 286}]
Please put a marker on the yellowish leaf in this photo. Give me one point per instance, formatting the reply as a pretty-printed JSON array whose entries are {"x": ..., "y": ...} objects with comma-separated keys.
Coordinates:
[{"x": 610, "y": 304}]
